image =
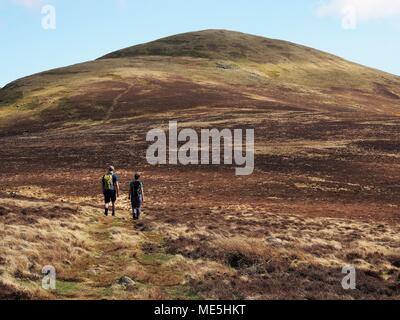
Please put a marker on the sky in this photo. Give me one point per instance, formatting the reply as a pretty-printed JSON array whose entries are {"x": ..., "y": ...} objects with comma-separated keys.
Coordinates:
[{"x": 38, "y": 35}]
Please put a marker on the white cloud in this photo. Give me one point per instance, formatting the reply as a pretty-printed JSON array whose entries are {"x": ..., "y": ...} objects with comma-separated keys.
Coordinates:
[{"x": 359, "y": 10}]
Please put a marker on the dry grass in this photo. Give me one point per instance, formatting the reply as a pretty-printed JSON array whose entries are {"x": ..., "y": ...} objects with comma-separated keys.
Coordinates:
[
  {"x": 36, "y": 234},
  {"x": 239, "y": 251},
  {"x": 91, "y": 253}
]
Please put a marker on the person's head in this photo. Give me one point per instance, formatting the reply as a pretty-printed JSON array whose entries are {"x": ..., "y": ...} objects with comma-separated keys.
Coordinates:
[
  {"x": 137, "y": 176},
  {"x": 111, "y": 169}
]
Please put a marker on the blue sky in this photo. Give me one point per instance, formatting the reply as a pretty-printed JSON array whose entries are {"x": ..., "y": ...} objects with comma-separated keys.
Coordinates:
[{"x": 364, "y": 31}]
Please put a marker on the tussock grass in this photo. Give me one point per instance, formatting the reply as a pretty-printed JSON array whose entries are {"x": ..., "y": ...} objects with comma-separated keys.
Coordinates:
[
  {"x": 27, "y": 247},
  {"x": 241, "y": 251}
]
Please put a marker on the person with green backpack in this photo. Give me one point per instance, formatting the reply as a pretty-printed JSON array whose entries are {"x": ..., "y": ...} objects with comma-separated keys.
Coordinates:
[
  {"x": 136, "y": 195},
  {"x": 110, "y": 185}
]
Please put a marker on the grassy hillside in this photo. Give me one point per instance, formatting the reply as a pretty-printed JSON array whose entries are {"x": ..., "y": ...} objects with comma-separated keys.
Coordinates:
[{"x": 207, "y": 68}]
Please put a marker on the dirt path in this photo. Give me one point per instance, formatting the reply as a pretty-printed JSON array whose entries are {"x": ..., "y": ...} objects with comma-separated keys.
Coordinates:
[
  {"x": 115, "y": 102},
  {"x": 121, "y": 248},
  {"x": 95, "y": 276}
]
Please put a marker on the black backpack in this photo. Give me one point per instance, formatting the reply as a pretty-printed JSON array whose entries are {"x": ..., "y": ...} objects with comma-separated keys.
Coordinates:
[{"x": 136, "y": 188}]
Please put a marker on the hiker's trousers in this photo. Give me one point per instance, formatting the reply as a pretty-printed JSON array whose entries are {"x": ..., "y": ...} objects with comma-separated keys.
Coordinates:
[{"x": 136, "y": 207}]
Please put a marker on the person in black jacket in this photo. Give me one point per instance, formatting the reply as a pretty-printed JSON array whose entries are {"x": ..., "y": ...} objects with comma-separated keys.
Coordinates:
[{"x": 136, "y": 195}]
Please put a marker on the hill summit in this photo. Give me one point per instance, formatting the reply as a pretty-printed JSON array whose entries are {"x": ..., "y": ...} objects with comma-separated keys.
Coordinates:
[{"x": 224, "y": 45}]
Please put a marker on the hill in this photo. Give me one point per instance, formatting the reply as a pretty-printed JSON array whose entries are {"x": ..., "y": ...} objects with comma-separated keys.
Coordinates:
[
  {"x": 324, "y": 193},
  {"x": 209, "y": 68}
]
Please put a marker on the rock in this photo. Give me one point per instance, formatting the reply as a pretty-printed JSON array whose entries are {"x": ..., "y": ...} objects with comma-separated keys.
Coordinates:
[
  {"x": 274, "y": 240},
  {"x": 92, "y": 272},
  {"x": 126, "y": 281},
  {"x": 13, "y": 194}
]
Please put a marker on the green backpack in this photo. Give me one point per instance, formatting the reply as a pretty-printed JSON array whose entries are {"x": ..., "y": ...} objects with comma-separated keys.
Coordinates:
[{"x": 108, "y": 182}]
